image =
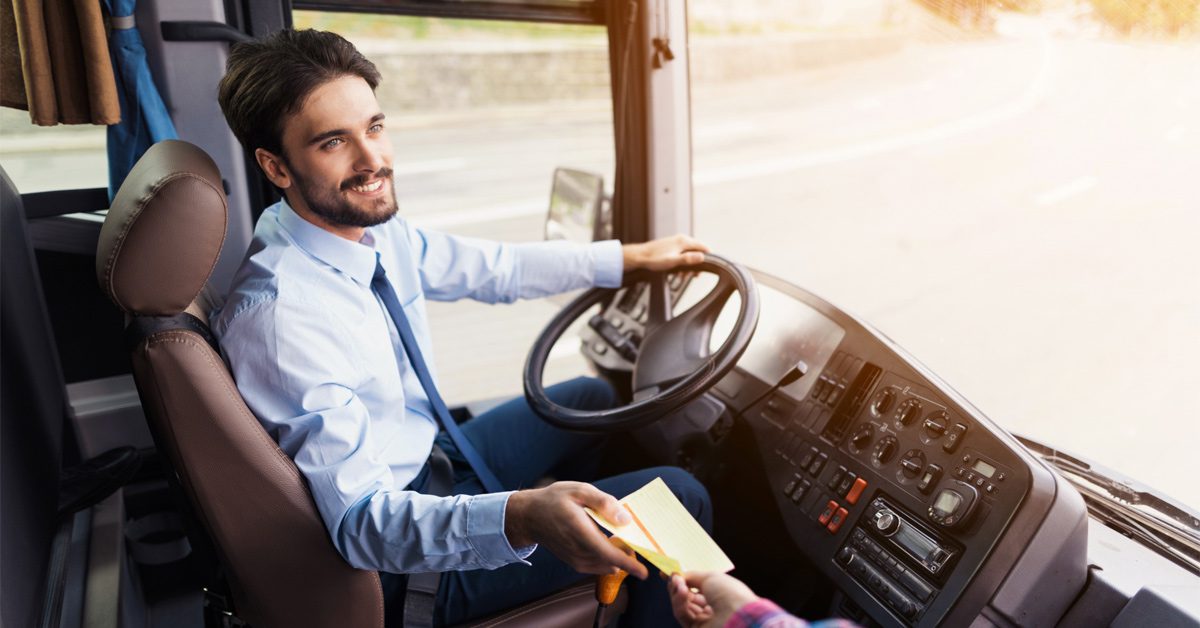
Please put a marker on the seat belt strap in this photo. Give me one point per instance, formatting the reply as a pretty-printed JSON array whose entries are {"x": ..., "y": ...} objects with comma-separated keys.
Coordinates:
[{"x": 420, "y": 595}]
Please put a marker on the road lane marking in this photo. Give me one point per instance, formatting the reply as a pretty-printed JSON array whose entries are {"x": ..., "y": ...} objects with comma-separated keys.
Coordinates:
[
  {"x": 1034, "y": 93},
  {"x": 1066, "y": 191}
]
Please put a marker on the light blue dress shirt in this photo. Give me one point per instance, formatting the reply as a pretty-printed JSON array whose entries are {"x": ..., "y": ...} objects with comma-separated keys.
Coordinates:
[{"x": 319, "y": 362}]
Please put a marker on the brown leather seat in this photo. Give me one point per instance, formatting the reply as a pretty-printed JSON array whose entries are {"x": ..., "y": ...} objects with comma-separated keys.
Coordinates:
[{"x": 157, "y": 248}]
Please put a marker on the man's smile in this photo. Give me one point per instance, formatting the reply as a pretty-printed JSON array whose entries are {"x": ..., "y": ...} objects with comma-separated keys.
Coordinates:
[{"x": 368, "y": 188}]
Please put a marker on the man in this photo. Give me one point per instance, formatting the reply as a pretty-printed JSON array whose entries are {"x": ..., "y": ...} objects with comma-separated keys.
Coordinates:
[{"x": 315, "y": 327}]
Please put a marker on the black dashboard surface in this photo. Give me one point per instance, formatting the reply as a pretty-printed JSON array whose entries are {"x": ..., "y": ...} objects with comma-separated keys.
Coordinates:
[{"x": 914, "y": 504}]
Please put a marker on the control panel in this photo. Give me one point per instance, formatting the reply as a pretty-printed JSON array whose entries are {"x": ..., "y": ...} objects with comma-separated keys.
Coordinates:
[
  {"x": 884, "y": 477},
  {"x": 613, "y": 337}
]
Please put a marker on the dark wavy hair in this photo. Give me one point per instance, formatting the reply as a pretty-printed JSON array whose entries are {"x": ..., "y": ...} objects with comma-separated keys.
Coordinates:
[{"x": 268, "y": 80}]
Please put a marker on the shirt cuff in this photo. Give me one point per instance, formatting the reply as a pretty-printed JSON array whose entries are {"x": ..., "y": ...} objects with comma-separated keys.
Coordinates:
[
  {"x": 485, "y": 529},
  {"x": 610, "y": 263}
]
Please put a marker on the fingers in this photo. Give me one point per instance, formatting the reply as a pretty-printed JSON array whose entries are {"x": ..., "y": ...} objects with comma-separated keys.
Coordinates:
[
  {"x": 689, "y": 608},
  {"x": 629, "y": 563},
  {"x": 604, "y": 504},
  {"x": 688, "y": 243},
  {"x": 697, "y": 578}
]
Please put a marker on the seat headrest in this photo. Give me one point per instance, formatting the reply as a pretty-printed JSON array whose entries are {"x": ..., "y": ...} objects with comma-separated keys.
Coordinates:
[{"x": 164, "y": 231}]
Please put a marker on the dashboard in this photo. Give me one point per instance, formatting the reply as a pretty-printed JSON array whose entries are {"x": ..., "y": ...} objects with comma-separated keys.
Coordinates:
[{"x": 915, "y": 505}]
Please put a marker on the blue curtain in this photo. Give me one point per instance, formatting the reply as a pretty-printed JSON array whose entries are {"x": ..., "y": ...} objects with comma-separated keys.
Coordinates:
[{"x": 144, "y": 117}]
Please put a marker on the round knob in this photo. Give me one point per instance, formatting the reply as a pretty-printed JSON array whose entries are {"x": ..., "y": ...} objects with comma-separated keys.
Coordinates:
[
  {"x": 885, "y": 450},
  {"x": 883, "y": 401},
  {"x": 886, "y": 522},
  {"x": 908, "y": 412},
  {"x": 862, "y": 437}
]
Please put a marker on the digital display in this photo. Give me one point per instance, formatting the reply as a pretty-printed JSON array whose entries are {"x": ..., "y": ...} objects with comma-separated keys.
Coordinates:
[
  {"x": 947, "y": 502},
  {"x": 984, "y": 468}
]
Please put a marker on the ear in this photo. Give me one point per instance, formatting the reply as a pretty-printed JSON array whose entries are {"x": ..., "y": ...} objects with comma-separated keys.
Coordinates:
[{"x": 274, "y": 167}]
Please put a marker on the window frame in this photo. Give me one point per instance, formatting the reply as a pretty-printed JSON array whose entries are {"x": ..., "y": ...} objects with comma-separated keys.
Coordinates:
[{"x": 593, "y": 13}]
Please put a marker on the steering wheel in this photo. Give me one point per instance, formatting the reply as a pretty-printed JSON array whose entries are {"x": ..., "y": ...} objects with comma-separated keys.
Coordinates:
[{"x": 673, "y": 365}]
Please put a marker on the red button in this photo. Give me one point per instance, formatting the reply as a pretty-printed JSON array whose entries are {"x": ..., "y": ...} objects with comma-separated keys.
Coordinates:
[
  {"x": 835, "y": 523},
  {"x": 856, "y": 491},
  {"x": 830, "y": 509}
]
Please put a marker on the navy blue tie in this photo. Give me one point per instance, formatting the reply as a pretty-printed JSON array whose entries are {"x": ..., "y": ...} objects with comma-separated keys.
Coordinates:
[{"x": 383, "y": 288}]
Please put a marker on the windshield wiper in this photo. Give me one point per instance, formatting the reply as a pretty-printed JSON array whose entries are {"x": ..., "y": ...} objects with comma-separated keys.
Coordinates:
[{"x": 1130, "y": 508}]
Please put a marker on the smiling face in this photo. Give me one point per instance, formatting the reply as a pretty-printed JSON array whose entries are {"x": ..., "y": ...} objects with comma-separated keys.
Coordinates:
[{"x": 336, "y": 166}]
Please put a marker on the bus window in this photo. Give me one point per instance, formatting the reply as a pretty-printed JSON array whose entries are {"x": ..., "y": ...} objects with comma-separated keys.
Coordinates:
[
  {"x": 481, "y": 113},
  {"x": 48, "y": 158},
  {"x": 1007, "y": 189}
]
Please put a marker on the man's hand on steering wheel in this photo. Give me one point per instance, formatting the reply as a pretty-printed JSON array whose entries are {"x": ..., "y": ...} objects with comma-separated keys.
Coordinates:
[{"x": 664, "y": 253}]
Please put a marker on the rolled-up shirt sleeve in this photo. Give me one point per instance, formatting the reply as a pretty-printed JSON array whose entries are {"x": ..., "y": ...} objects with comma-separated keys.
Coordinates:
[
  {"x": 454, "y": 267},
  {"x": 300, "y": 381}
]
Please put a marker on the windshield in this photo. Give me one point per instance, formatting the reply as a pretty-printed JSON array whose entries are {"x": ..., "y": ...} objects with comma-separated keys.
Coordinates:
[{"x": 1008, "y": 190}]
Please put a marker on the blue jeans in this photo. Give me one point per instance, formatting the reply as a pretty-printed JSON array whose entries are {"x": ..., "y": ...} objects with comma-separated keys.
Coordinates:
[{"x": 520, "y": 449}]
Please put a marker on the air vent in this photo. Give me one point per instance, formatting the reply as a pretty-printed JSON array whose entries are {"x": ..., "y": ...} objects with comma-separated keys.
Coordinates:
[{"x": 851, "y": 403}]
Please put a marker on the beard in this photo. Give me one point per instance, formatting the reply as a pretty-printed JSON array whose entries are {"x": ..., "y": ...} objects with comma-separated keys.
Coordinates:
[{"x": 334, "y": 207}]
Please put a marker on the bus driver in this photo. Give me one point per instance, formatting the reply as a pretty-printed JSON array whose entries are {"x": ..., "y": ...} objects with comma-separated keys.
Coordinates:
[{"x": 325, "y": 331}]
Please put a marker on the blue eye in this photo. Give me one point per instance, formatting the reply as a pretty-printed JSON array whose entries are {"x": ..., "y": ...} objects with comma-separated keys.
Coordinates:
[{"x": 332, "y": 143}]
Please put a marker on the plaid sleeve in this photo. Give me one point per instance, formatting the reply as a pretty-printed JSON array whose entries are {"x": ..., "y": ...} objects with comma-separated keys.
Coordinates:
[{"x": 763, "y": 613}]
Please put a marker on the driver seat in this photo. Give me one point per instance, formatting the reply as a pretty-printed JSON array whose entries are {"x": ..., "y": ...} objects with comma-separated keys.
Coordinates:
[{"x": 157, "y": 248}]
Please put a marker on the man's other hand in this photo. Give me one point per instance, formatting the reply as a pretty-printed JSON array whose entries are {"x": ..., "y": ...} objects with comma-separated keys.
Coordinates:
[
  {"x": 707, "y": 600},
  {"x": 664, "y": 253},
  {"x": 554, "y": 517}
]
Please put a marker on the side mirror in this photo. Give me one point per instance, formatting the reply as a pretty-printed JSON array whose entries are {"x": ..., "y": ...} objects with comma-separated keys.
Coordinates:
[{"x": 579, "y": 209}]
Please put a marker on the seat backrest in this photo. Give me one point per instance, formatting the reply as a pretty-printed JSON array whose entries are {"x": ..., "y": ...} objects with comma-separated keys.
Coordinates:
[
  {"x": 34, "y": 403},
  {"x": 157, "y": 248}
]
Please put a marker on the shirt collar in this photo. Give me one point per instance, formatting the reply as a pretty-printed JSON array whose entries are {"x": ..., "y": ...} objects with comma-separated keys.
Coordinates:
[{"x": 355, "y": 259}]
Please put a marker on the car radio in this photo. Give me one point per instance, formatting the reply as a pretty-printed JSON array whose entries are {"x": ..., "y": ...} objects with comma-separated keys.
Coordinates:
[{"x": 883, "y": 550}]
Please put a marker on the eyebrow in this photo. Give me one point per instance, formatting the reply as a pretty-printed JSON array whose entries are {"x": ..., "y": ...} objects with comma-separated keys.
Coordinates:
[{"x": 321, "y": 137}]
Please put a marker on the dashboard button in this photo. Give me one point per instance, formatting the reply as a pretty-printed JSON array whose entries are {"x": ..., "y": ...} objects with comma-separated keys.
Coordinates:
[
  {"x": 835, "y": 522},
  {"x": 827, "y": 514},
  {"x": 798, "y": 494},
  {"x": 836, "y": 479},
  {"x": 933, "y": 473},
  {"x": 848, "y": 480},
  {"x": 817, "y": 464},
  {"x": 836, "y": 394},
  {"x": 915, "y": 585},
  {"x": 856, "y": 491},
  {"x": 954, "y": 436},
  {"x": 808, "y": 457}
]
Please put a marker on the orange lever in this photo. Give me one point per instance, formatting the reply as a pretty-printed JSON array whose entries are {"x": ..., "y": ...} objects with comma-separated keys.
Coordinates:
[{"x": 609, "y": 585}]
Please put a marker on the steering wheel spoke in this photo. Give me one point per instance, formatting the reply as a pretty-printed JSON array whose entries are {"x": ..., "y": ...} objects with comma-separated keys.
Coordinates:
[
  {"x": 674, "y": 363},
  {"x": 661, "y": 303}
]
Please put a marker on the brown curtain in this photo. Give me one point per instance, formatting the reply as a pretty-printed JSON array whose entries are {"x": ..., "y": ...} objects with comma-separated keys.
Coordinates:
[{"x": 54, "y": 62}]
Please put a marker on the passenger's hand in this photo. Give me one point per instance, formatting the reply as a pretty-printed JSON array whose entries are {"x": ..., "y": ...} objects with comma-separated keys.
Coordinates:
[
  {"x": 664, "y": 253},
  {"x": 707, "y": 600},
  {"x": 554, "y": 518}
]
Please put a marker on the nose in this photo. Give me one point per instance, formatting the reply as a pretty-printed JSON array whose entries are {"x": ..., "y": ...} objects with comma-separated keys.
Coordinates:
[{"x": 372, "y": 157}]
